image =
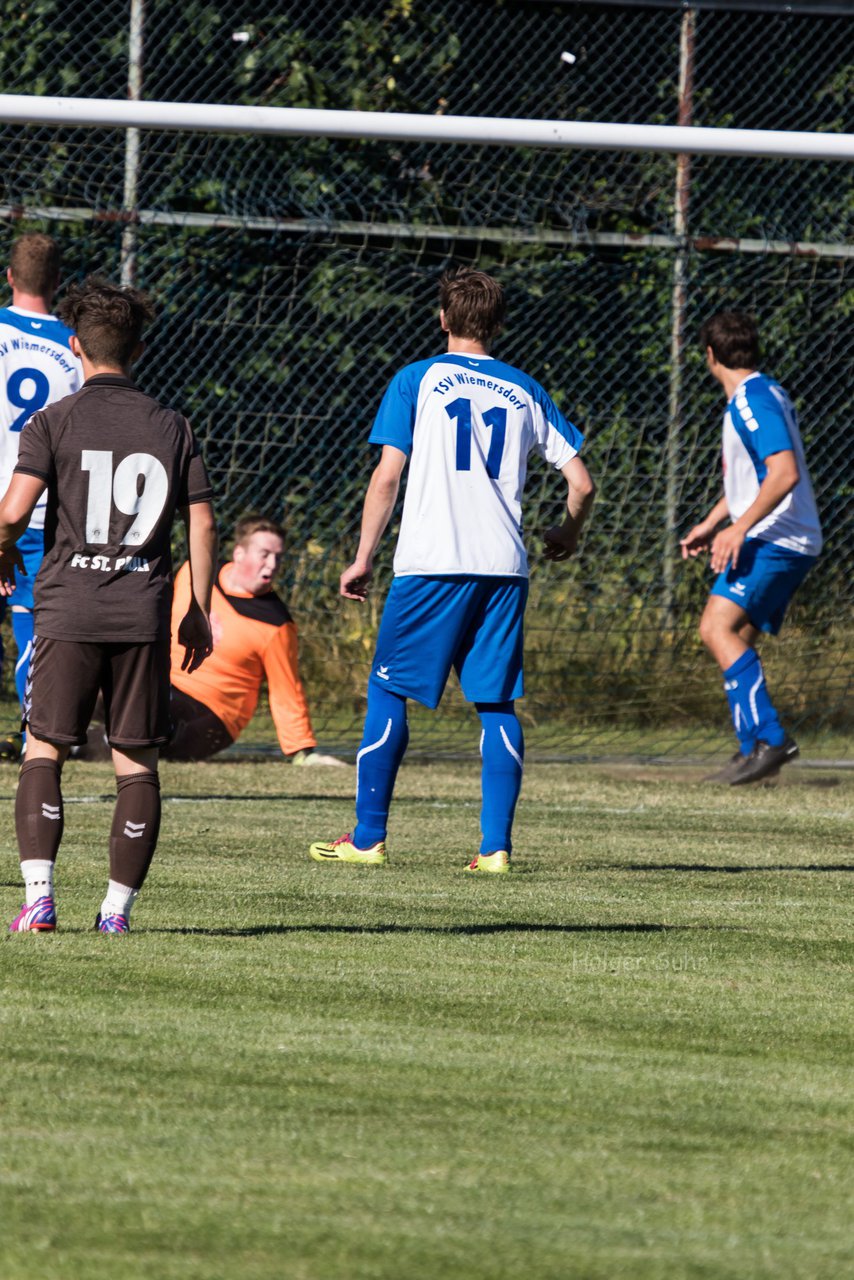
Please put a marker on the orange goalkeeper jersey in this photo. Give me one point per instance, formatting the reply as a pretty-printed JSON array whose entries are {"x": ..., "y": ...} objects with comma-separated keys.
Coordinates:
[{"x": 254, "y": 638}]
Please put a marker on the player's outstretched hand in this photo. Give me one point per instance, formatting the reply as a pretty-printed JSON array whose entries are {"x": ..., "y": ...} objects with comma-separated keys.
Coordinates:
[
  {"x": 696, "y": 541},
  {"x": 559, "y": 542},
  {"x": 726, "y": 548},
  {"x": 10, "y": 560},
  {"x": 356, "y": 580},
  {"x": 194, "y": 636}
]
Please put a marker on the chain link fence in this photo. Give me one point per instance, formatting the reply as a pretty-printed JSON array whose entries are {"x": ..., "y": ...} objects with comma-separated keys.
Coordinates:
[{"x": 294, "y": 276}]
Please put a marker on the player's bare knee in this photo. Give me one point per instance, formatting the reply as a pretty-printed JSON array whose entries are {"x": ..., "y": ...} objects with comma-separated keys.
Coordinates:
[
  {"x": 709, "y": 629},
  {"x": 127, "y": 761},
  {"x": 43, "y": 749}
]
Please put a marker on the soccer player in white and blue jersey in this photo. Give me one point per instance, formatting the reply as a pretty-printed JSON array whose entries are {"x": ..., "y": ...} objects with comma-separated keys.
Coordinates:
[
  {"x": 37, "y": 367},
  {"x": 466, "y": 424},
  {"x": 764, "y": 554}
]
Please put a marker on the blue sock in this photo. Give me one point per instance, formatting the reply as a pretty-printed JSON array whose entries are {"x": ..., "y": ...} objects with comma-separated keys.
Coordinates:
[
  {"x": 22, "y": 629},
  {"x": 384, "y": 740},
  {"x": 753, "y": 713},
  {"x": 502, "y": 746}
]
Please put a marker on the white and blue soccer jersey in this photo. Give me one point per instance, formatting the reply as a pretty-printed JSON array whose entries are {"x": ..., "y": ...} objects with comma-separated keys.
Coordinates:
[
  {"x": 760, "y": 420},
  {"x": 36, "y": 368},
  {"x": 468, "y": 423}
]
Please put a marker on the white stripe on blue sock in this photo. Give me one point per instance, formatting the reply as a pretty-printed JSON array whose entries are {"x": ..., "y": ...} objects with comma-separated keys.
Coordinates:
[
  {"x": 508, "y": 744},
  {"x": 374, "y": 746}
]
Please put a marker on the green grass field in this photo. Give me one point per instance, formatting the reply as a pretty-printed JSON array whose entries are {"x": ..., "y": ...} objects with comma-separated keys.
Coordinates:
[{"x": 629, "y": 1059}]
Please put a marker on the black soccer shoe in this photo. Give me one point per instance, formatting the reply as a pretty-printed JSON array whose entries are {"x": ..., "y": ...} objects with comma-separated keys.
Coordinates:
[{"x": 765, "y": 760}]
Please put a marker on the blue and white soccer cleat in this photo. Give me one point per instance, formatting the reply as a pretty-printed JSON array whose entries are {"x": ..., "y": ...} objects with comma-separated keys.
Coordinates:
[
  {"x": 39, "y": 918},
  {"x": 111, "y": 924}
]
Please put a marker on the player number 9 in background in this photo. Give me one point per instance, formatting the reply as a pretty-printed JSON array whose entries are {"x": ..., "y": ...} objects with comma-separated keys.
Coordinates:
[{"x": 29, "y": 391}]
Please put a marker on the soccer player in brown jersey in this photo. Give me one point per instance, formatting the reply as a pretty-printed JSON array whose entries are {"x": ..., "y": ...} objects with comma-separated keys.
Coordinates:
[{"x": 116, "y": 465}]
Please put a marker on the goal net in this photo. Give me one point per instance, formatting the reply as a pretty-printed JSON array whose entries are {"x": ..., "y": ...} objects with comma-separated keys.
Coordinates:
[{"x": 295, "y": 275}]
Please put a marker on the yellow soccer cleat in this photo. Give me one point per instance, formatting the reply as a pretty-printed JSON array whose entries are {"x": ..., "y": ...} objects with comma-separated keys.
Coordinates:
[
  {"x": 494, "y": 864},
  {"x": 343, "y": 850}
]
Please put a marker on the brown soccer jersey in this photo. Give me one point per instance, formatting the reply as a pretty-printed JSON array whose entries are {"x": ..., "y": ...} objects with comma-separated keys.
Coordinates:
[{"x": 117, "y": 464}]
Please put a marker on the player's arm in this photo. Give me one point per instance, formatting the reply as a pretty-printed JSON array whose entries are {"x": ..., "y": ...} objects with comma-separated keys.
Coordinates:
[
  {"x": 781, "y": 476},
  {"x": 561, "y": 540},
  {"x": 194, "y": 630},
  {"x": 16, "y": 508},
  {"x": 700, "y": 537},
  {"x": 376, "y": 513},
  {"x": 288, "y": 705}
]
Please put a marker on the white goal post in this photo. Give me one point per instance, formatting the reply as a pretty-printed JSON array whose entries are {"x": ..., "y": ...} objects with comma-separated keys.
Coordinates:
[{"x": 27, "y": 109}]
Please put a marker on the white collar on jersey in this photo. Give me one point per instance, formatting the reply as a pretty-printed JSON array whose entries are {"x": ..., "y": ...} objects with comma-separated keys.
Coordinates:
[{"x": 31, "y": 315}]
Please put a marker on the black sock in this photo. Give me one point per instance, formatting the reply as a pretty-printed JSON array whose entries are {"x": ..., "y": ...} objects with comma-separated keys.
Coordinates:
[
  {"x": 136, "y": 825},
  {"x": 39, "y": 818}
]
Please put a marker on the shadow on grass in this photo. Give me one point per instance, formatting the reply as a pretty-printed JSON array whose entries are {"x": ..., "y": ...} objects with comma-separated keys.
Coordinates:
[
  {"x": 718, "y": 869},
  {"x": 279, "y": 798},
  {"x": 268, "y": 798},
  {"x": 467, "y": 930}
]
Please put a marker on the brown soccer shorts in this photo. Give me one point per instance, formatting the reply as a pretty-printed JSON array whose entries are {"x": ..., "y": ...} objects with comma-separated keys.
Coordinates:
[{"x": 66, "y": 677}]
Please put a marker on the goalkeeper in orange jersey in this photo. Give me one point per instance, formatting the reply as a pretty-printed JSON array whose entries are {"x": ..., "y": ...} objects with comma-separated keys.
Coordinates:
[{"x": 255, "y": 639}]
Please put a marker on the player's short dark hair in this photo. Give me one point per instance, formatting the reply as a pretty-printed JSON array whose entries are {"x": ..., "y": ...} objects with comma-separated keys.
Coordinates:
[
  {"x": 734, "y": 339},
  {"x": 473, "y": 304},
  {"x": 34, "y": 263},
  {"x": 107, "y": 318},
  {"x": 254, "y": 522}
]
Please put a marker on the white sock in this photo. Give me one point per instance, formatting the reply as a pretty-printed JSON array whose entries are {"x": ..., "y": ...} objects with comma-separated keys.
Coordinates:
[
  {"x": 119, "y": 900},
  {"x": 38, "y": 878}
]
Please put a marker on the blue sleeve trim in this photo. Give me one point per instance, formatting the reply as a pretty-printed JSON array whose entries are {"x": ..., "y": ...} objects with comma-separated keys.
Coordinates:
[
  {"x": 557, "y": 421},
  {"x": 395, "y": 418}
]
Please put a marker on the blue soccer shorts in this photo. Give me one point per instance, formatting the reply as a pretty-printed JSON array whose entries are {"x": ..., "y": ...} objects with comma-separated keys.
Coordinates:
[
  {"x": 765, "y": 581},
  {"x": 431, "y": 624},
  {"x": 31, "y": 546}
]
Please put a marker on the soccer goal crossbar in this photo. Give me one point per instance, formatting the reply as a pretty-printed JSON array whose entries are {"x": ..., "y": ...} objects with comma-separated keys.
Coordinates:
[{"x": 27, "y": 109}]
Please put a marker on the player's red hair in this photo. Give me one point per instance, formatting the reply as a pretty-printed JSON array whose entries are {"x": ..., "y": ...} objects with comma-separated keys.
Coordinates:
[{"x": 254, "y": 522}]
